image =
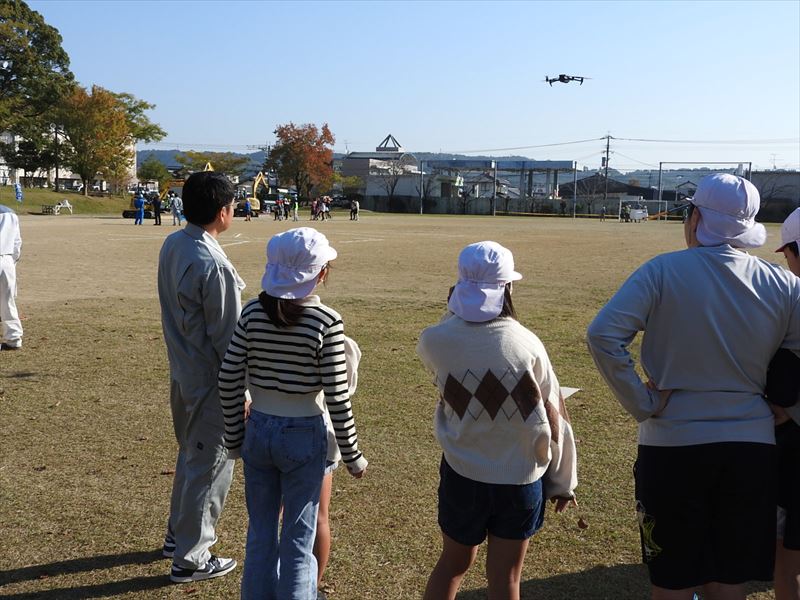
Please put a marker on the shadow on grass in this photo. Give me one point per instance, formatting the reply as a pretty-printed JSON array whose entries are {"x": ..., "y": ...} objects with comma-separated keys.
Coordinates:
[
  {"x": 21, "y": 375},
  {"x": 79, "y": 565},
  {"x": 100, "y": 590},
  {"x": 617, "y": 582}
]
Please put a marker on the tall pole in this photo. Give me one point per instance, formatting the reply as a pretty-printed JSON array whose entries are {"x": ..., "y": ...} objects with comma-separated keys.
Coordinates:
[
  {"x": 574, "y": 188},
  {"x": 608, "y": 145},
  {"x": 494, "y": 190},
  {"x": 421, "y": 184},
  {"x": 56, "y": 157}
]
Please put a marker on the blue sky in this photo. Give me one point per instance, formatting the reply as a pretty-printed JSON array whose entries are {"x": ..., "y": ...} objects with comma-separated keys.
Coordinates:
[{"x": 457, "y": 76}]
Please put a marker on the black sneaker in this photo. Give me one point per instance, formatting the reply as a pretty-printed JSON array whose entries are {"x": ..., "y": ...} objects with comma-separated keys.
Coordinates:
[
  {"x": 215, "y": 567},
  {"x": 10, "y": 347}
]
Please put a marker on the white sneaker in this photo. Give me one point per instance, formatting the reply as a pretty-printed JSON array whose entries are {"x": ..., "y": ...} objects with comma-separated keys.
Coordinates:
[{"x": 215, "y": 567}]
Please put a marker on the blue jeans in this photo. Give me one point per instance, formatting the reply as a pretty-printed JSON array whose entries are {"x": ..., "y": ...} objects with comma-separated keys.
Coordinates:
[{"x": 284, "y": 462}]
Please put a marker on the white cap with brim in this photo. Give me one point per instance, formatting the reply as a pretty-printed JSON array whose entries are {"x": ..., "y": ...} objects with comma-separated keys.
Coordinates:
[
  {"x": 294, "y": 261},
  {"x": 728, "y": 206},
  {"x": 484, "y": 269},
  {"x": 790, "y": 230}
]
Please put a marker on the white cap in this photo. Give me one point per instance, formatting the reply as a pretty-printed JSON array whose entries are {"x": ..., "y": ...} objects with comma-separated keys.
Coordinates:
[
  {"x": 484, "y": 269},
  {"x": 728, "y": 206},
  {"x": 790, "y": 230},
  {"x": 294, "y": 261}
]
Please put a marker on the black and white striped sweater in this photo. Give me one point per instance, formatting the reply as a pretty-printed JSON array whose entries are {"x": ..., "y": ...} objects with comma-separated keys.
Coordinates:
[{"x": 286, "y": 368}]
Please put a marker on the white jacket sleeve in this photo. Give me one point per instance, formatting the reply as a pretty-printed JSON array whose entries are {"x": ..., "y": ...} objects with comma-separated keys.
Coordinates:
[{"x": 561, "y": 477}]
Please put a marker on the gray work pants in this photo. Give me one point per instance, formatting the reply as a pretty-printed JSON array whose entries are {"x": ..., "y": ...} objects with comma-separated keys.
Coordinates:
[{"x": 203, "y": 471}]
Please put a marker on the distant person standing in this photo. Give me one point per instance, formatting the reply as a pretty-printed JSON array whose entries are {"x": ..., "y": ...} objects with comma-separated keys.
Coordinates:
[
  {"x": 200, "y": 295},
  {"x": 138, "y": 204},
  {"x": 156, "y": 202},
  {"x": 295, "y": 209},
  {"x": 602, "y": 213},
  {"x": 277, "y": 215},
  {"x": 10, "y": 247},
  {"x": 177, "y": 209},
  {"x": 248, "y": 210}
]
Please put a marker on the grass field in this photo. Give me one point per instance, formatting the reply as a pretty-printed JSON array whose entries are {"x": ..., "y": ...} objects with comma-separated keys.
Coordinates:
[{"x": 87, "y": 443}]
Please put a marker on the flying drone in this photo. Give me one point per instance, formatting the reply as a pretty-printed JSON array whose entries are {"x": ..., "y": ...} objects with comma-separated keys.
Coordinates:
[{"x": 564, "y": 79}]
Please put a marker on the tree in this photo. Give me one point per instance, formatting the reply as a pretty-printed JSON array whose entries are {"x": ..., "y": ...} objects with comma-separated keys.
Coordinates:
[
  {"x": 34, "y": 68},
  {"x": 230, "y": 163},
  {"x": 101, "y": 129},
  {"x": 352, "y": 186},
  {"x": 153, "y": 169},
  {"x": 30, "y": 156},
  {"x": 388, "y": 172},
  {"x": 303, "y": 155}
]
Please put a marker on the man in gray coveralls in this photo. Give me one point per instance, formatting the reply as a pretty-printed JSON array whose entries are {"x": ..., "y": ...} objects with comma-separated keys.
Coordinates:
[{"x": 200, "y": 295}]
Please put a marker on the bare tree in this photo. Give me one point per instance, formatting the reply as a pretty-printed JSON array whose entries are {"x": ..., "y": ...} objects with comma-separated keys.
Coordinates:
[{"x": 389, "y": 172}]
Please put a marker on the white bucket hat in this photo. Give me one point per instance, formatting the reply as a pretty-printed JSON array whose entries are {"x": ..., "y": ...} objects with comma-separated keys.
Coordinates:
[
  {"x": 790, "y": 230},
  {"x": 484, "y": 269},
  {"x": 728, "y": 206},
  {"x": 294, "y": 261}
]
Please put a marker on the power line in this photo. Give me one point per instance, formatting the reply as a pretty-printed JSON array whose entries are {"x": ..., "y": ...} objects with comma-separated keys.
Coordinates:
[
  {"x": 525, "y": 147},
  {"x": 636, "y": 160},
  {"x": 748, "y": 142}
]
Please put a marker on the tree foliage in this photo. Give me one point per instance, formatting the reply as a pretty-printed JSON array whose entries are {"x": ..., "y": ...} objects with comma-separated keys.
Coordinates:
[
  {"x": 153, "y": 169},
  {"x": 101, "y": 129},
  {"x": 34, "y": 68},
  {"x": 30, "y": 156},
  {"x": 303, "y": 155},
  {"x": 230, "y": 163}
]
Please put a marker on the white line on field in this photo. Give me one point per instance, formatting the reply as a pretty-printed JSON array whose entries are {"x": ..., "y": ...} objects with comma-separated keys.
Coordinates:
[
  {"x": 238, "y": 235},
  {"x": 359, "y": 241},
  {"x": 235, "y": 243}
]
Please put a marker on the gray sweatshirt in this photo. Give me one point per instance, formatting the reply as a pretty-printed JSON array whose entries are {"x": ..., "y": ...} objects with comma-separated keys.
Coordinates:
[
  {"x": 200, "y": 295},
  {"x": 712, "y": 318}
]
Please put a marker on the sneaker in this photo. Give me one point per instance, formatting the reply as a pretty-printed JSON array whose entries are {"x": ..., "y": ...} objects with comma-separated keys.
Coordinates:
[
  {"x": 10, "y": 347},
  {"x": 215, "y": 567}
]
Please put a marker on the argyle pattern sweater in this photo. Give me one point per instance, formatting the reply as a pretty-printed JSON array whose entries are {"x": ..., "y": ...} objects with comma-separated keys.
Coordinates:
[{"x": 500, "y": 417}]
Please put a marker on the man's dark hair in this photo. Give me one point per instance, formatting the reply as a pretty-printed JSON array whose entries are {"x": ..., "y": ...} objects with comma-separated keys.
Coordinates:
[
  {"x": 204, "y": 194},
  {"x": 793, "y": 248}
]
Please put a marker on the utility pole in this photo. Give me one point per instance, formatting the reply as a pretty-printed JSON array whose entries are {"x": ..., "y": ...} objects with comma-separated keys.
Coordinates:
[
  {"x": 56, "y": 156},
  {"x": 608, "y": 145}
]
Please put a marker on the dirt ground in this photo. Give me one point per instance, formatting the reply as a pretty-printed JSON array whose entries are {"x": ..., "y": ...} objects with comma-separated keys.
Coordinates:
[{"x": 87, "y": 449}]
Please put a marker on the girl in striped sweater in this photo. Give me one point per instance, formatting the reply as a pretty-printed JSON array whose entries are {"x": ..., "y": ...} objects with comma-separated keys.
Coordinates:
[{"x": 288, "y": 350}]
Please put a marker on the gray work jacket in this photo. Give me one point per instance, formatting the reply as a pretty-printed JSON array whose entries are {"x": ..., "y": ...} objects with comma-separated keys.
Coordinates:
[{"x": 200, "y": 295}]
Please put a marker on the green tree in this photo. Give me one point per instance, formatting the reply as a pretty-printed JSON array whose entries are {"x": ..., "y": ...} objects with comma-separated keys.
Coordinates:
[
  {"x": 153, "y": 169},
  {"x": 303, "y": 155},
  {"x": 34, "y": 68},
  {"x": 101, "y": 129},
  {"x": 230, "y": 163},
  {"x": 30, "y": 156}
]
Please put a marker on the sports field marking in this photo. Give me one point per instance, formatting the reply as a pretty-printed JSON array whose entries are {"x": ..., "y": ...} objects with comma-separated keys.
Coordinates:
[
  {"x": 235, "y": 243},
  {"x": 360, "y": 241}
]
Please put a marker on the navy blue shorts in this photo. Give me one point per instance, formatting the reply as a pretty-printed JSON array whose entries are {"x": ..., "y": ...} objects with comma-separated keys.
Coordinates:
[
  {"x": 787, "y": 440},
  {"x": 707, "y": 513},
  {"x": 469, "y": 509}
]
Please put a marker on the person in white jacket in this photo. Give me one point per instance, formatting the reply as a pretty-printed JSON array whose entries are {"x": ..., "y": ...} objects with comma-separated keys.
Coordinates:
[
  {"x": 10, "y": 247},
  {"x": 506, "y": 439}
]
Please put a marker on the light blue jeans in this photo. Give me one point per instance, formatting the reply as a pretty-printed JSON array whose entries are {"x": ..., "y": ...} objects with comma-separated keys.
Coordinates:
[{"x": 284, "y": 462}]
